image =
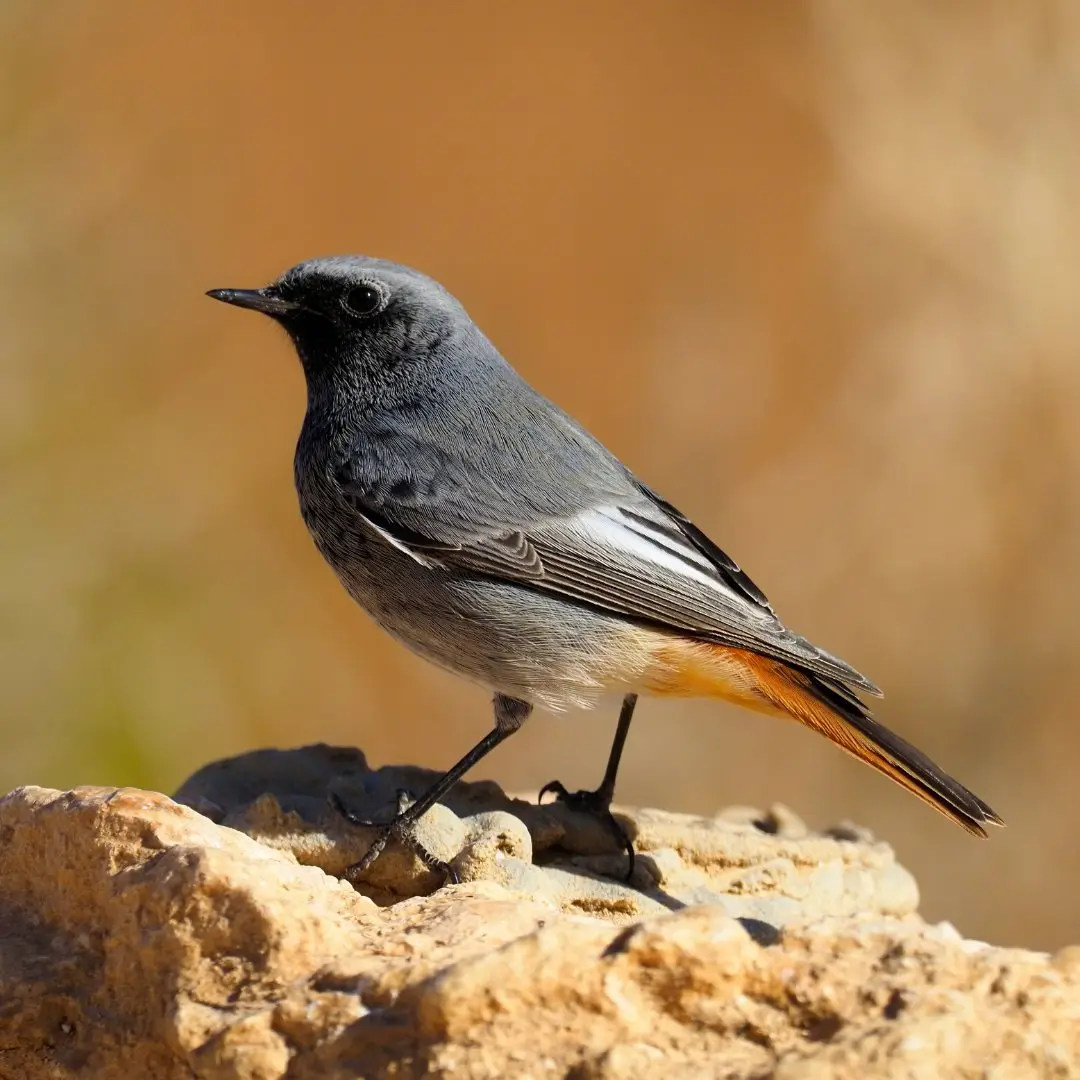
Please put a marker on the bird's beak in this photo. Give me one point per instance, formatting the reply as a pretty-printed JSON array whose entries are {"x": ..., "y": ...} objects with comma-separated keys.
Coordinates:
[{"x": 262, "y": 300}]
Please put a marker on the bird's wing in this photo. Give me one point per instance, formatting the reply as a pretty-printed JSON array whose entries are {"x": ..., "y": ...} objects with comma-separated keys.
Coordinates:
[{"x": 635, "y": 556}]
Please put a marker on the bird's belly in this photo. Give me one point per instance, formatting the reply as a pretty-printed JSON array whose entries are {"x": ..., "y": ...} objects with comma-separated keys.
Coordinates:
[{"x": 517, "y": 641}]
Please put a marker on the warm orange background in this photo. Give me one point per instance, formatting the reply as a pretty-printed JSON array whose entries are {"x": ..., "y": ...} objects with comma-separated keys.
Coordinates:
[{"x": 811, "y": 269}]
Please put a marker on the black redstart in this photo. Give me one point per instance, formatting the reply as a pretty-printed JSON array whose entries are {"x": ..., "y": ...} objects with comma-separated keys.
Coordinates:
[{"x": 487, "y": 531}]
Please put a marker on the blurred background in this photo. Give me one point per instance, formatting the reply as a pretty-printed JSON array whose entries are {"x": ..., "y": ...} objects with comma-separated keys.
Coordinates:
[{"x": 810, "y": 269}]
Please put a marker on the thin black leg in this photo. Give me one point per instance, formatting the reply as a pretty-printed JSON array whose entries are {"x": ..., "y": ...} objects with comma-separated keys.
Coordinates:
[
  {"x": 622, "y": 729},
  {"x": 598, "y": 803},
  {"x": 510, "y": 714}
]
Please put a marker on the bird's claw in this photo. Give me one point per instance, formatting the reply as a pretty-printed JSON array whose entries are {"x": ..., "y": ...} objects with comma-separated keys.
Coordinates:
[
  {"x": 597, "y": 804},
  {"x": 401, "y": 829}
]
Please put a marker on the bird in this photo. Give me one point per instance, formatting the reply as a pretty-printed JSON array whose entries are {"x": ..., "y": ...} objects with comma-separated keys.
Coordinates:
[{"x": 484, "y": 528}]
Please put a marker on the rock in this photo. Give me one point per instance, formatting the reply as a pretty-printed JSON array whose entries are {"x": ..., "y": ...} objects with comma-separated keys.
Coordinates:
[
  {"x": 766, "y": 867},
  {"x": 139, "y": 938}
]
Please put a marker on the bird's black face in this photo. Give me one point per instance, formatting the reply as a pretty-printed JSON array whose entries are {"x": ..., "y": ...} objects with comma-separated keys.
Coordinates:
[
  {"x": 352, "y": 316},
  {"x": 324, "y": 310}
]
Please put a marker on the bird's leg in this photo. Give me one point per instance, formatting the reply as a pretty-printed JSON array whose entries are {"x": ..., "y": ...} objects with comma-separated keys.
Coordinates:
[
  {"x": 598, "y": 802},
  {"x": 510, "y": 714}
]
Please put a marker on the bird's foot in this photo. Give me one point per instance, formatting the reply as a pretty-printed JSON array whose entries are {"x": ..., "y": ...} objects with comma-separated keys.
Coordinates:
[
  {"x": 597, "y": 804},
  {"x": 401, "y": 829}
]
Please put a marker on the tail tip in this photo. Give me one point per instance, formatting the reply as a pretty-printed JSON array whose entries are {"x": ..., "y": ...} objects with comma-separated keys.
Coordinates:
[{"x": 979, "y": 814}]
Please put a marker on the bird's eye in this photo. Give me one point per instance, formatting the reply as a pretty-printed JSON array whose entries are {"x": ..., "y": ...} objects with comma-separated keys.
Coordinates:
[{"x": 364, "y": 300}]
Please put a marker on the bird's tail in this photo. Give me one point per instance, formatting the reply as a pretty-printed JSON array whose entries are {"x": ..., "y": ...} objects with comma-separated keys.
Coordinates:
[{"x": 825, "y": 705}]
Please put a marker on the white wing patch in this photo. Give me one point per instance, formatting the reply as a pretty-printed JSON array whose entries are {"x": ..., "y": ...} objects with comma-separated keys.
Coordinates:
[{"x": 608, "y": 527}]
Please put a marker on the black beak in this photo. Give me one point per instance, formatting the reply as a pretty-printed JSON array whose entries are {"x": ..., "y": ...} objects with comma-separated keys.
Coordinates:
[{"x": 257, "y": 299}]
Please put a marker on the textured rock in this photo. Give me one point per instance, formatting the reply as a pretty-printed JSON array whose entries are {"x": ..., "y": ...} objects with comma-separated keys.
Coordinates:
[
  {"x": 140, "y": 939},
  {"x": 766, "y": 867}
]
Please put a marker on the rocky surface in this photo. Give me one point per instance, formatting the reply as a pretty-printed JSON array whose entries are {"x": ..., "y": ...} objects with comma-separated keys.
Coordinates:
[
  {"x": 141, "y": 938},
  {"x": 762, "y": 866}
]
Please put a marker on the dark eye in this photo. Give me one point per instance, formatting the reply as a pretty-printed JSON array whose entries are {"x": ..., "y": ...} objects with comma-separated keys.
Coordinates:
[{"x": 364, "y": 300}]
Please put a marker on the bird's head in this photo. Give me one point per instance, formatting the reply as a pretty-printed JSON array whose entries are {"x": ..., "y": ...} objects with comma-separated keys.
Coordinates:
[{"x": 362, "y": 327}]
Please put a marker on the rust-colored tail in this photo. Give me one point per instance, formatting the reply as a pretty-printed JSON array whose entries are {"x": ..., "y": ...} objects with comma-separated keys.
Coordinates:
[{"x": 828, "y": 707}]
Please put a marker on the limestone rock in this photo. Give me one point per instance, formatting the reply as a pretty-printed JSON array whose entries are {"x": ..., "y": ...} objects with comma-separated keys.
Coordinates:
[
  {"x": 766, "y": 867},
  {"x": 138, "y": 938}
]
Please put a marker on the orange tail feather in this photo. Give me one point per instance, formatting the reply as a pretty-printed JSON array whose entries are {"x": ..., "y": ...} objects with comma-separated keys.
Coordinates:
[{"x": 695, "y": 669}]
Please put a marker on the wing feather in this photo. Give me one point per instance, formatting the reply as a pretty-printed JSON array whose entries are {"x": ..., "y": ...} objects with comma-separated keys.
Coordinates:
[{"x": 642, "y": 561}]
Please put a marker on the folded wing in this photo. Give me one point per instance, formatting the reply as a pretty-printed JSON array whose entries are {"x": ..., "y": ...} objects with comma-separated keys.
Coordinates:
[{"x": 639, "y": 558}]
